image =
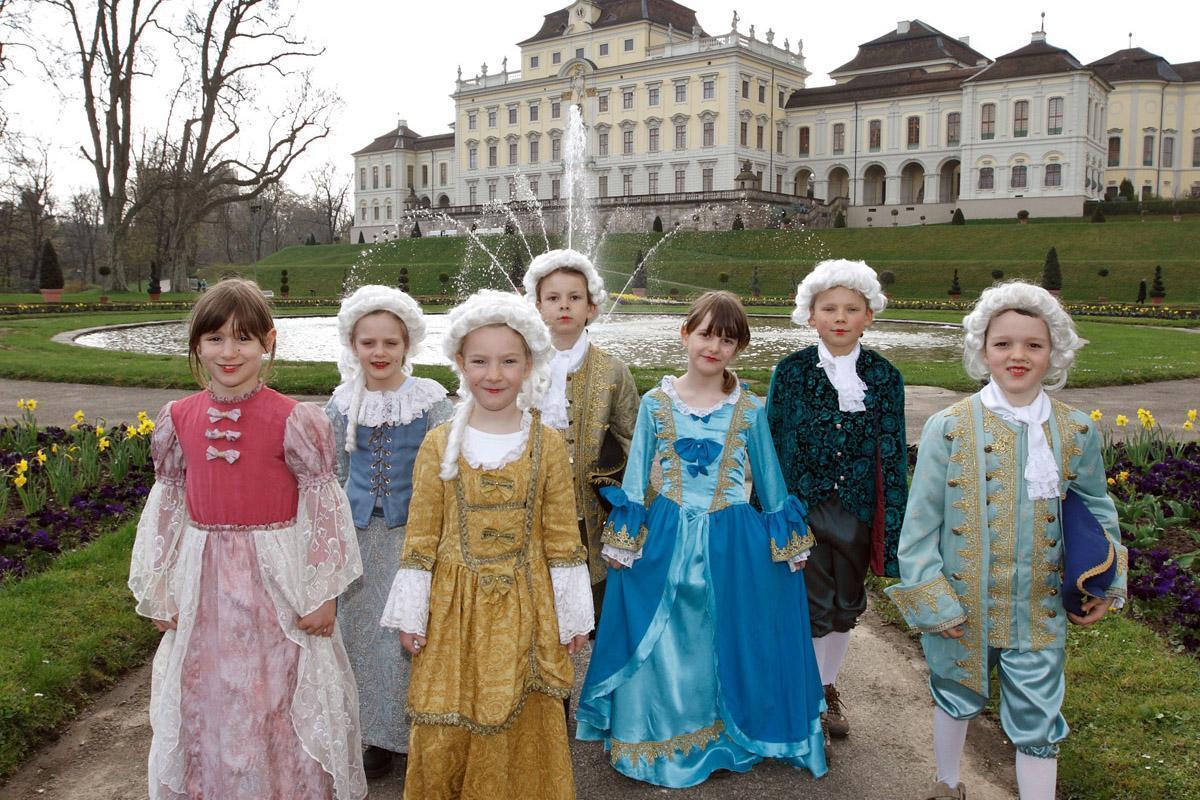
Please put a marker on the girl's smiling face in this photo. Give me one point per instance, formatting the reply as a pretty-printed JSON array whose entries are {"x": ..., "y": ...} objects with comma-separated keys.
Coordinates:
[
  {"x": 709, "y": 352},
  {"x": 495, "y": 361},
  {"x": 233, "y": 359},
  {"x": 1016, "y": 351},
  {"x": 380, "y": 342}
]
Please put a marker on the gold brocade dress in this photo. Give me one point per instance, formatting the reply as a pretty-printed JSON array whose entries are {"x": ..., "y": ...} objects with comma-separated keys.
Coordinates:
[{"x": 485, "y": 693}]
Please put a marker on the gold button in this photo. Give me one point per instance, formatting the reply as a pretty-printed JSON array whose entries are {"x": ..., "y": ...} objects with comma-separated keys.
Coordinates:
[
  {"x": 987, "y": 448},
  {"x": 957, "y": 531},
  {"x": 1053, "y": 592},
  {"x": 952, "y": 483},
  {"x": 949, "y": 437},
  {"x": 1052, "y": 614},
  {"x": 956, "y": 576},
  {"x": 1050, "y": 518}
]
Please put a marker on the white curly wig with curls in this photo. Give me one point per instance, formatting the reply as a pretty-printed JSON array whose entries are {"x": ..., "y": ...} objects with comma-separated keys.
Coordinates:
[
  {"x": 1030, "y": 299},
  {"x": 482, "y": 309},
  {"x": 855, "y": 275},
  {"x": 573, "y": 260},
  {"x": 369, "y": 300}
]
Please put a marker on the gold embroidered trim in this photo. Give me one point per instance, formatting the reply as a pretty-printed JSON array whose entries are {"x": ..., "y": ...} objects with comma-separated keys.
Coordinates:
[
  {"x": 651, "y": 751},
  {"x": 621, "y": 538},
  {"x": 909, "y": 602},
  {"x": 796, "y": 544},
  {"x": 1122, "y": 571},
  {"x": 730, "y": 450},
  {"x": 1043, "y": 630},
  {"x": 578, "y": 557},
  {"x": 665, "y": 417},
  {"x": 1096, "y": 570},
  {"x": 417, "y": 561},
  {"x": 463, "y": 721},
  {"x": 970, "y": 551},
  {"x": 1002, "y": 530},
  {"x": 1067, "y": 442}
]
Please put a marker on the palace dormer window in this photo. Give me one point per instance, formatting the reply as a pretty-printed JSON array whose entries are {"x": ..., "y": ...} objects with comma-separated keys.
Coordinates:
[{"x": 533, "y": 62}]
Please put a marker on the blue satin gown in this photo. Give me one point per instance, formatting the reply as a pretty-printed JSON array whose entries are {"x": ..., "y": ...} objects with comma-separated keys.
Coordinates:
[{"x": 703, "y": 659}]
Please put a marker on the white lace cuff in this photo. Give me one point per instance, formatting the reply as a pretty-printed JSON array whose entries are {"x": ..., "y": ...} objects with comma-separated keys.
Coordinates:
[
  {"x": 795, "y": 561},
  {"x": 572, "y": 601},
  {"x": 619, "y": 554},
  {"x": 407, "y": 607}
]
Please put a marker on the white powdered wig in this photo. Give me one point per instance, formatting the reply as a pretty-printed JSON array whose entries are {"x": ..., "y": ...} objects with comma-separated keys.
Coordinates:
[
  {"x": 854, "y": 275},
  {"x": 573, "y": 260},
  {"x": 1064, "y": 341},
  {"x": 489, "y": 307},
  {"x": 367, "y": 300}
]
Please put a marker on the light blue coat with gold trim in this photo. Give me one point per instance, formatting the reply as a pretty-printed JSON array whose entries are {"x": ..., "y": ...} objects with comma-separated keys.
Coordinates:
[{"x": 976, "y": 551}]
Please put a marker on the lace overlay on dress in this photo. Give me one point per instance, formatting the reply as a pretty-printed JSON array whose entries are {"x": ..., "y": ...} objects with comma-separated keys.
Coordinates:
[
  {"x": 400, "y": 406},
  {"x": 407, "y": 606}
]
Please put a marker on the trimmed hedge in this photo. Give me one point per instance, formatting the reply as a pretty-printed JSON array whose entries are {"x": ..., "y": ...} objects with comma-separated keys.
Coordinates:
[{"x": 1150, "y": 206}]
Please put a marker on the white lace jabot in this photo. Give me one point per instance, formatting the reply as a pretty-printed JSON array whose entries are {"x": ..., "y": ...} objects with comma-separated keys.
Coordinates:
[
  {"x": 554, "y": 401},
  {"x": 842, "y": 372},
  {"x": 668, "y": 387},
  {"x": 495, "y": 450},
  {"x": 1041, "y": 470},
  {"x": 396, "y": 407}
]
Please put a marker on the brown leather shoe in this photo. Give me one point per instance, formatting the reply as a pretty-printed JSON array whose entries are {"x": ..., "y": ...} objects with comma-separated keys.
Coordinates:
[
  {"x": 941, "y": 791},
  {"x": 835, "y": 718}
]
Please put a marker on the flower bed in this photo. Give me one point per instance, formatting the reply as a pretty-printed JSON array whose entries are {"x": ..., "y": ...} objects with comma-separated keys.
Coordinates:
[{"x": 61, "y": 488}]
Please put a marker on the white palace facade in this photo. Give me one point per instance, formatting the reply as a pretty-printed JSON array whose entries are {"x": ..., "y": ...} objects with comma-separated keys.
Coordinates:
[{"x": 915, "y": 125}]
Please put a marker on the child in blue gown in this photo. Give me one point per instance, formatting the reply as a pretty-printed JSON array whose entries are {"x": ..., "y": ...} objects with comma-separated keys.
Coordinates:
[{"x": 703, "y": 660}]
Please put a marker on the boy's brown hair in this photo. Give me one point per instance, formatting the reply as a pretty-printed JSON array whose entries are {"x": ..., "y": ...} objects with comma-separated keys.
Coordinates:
[
  {"x": 726, "y": 317},
  {"x": 231, "y": 299}
]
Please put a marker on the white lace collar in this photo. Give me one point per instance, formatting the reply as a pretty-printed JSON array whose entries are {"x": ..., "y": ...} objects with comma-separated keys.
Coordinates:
[
  {"x": 553, "y": 404},
  {"x": 495, "y": 450},
  {"x": 398, "y": 406},
  {"x": 668, "y": 387}
]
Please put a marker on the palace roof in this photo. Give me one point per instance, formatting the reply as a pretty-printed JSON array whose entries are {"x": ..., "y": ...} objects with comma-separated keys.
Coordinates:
[
  {"x": 1135, "y": 64},
  {"x": 1189, "y": 71},
  {"x": 403, "y": 137},
  {"x": 620, "y": 12},
  {"x": 920, "y": 43},
  {"x": 1036, "y": 58},
  {"x": 882, "y": 85}
]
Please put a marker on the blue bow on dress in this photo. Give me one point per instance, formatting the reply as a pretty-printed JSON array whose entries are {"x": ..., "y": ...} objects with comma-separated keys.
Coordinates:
[{"x": 699, "y": 453}]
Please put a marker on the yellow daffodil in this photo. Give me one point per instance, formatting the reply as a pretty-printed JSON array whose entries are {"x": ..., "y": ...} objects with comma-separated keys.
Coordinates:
[
  {"x": 1122, "y": 420},
  {"x": 146, "y": 427},
  {"x": 103, "y": 443},
  {"x": 22, "y": 466},
  {"x": 40, "y": 457},
  {"x": 1112, "y": 482},
  {"x": 31, "y": 405},
  {"x": 130, "y": 431},
  {"x": 21, "y": 403},
  {"x": 1096, "y": 415},
  {"x": 74, "y": 426},
  {"x": 99, "y": 430},
  {"x": 1191, "y": 415},
  {"x": 142, "y": 416},
  {"x": 1123, "y": 475},
  {"x": 79, "y": 415},
  {"x": 19, "y": 481},
  {"x": 1187, "y": 425},
  {"x": 54, "y": 449}
]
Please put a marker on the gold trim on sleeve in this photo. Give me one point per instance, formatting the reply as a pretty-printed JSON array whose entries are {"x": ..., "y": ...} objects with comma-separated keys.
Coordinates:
[{"x": 796, "y": 544}]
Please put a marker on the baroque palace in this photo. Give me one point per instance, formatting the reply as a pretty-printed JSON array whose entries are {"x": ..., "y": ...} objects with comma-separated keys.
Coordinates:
[{"x": 915, "y": 125}]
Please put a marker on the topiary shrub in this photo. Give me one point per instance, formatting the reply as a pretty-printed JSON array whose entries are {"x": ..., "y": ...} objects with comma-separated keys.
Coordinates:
[
  {"x": 1098, "y": 214},
  {"x": 1022, "y": 216},
  {"x": 738, "y": 225},
  {"x": 1157, "y": 289},
  {"x": 658, "y": 225},
  {"x": 638, "y": 281},
  {"x": 49, "y": 271},
  {"x": 1127, "y": 191},
  {"x": 361, "y": 238},
  {"x": 886, "y": 279},
  {"x": 997, "y": 274},
  {"x": 415, "y": 233},
  {"x": 840, "y": 220},
  {"x": 310, "y": 241},
  {"x": 402, "y": 279},
  {"x": 1051, "y": 272},
  {"x": 955, "y": 288},
  {"x": 755, "y": 289},
  {"x": 284, "y": 288},
  {"x": 958, "y": 218},
  {"x": 154, "y": 285},
  {"x": 1103, "y": 272},
  {"x": 723, "y": 278},
  {"x": 1141, "y": 295}
]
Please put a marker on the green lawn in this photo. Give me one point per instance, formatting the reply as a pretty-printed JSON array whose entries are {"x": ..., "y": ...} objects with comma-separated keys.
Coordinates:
[{"x": 922, "y": 258}]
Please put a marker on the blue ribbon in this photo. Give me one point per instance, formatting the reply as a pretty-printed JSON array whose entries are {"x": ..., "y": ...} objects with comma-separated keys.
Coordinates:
[{"x": 699, "y": 453}]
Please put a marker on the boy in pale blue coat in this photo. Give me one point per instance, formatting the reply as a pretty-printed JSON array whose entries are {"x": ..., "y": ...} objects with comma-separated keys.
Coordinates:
[{"x": 981, "y": 547}]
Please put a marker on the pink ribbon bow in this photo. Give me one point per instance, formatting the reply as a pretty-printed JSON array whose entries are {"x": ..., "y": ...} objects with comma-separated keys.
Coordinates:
[
  {"x": 229, "y": 455},
  {"x": 231, "y": 436},
  {"x": 215, "y": 414}
]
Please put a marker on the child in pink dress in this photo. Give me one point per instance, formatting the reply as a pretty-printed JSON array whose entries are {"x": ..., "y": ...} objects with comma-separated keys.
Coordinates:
[{"x": 243, "y": 547}]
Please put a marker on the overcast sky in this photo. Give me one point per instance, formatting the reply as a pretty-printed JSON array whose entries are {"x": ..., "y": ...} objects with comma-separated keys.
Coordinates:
[{"x": 390, "y": 60}]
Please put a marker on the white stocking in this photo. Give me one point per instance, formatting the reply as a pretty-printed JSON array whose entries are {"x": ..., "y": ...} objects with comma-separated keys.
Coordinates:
[
  {"x": 949, "y": 736},
  {"x": 836, "y": 645},
  {"x": 819, "y": 652},
  {"x": 1036, "y": 777}
]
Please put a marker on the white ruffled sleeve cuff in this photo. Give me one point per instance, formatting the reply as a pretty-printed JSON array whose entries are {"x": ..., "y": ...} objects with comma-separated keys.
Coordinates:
[
  {"x": 572, "y": 601},
  {"x": 795, "y": 561},
  {"x": 619, "y": 554},
  {"x": 407, "y": 607}
]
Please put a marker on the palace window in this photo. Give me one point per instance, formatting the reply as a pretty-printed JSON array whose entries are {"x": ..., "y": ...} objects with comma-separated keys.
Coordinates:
[
  {"x": 1017, "y": 180},
  {"x": 627, "y": 183},
  {"x": 710, "y": 133},
  {"x": 603, "y": 191},
  {"x": 556, "y": 58},
  {"x": 424, "y": 174},
  {"x": 512, "y": 115},
  {"x": 652, "y": 96},
  {"x": 652, "y": 182},
  {"x": 779, "y": 142},
  {"x": 491, "y": 117},
  {"x": 602, "y": 103},
  {"x": 987, "y": 121},
  {"x": 629, "y": 45},
  {"x": 1054, "y": 116},
  {"x": 442, "y": 168},
  {"x": 758, "y": 137},
  {"x": 1168, "y": 152},
  {"x": 743, "y": 133},
  {"x": 472, "y": 121},
  {"x": 533, "y": 62},
  {"x": 986, "y": 177},
  {"x": 762, "y": 93},
  {"x": 839, "y": 137},
  {"x": 681, "y": 93},
  {"x": 602, "y": 143},
  {"x": 1054, "y": 174},
  {"x": 627, "y": 99},
  {"x": 362, "y": 213},
  {"x": 362, "y": 179},
  {"x": 681, "y": 137},
  {"x": 1114, "y": 151},
  {"x": 387, "y": 176},
  {"x": 374, "y": 177},
  {"x": 534, "y": 112},
  {"x": 1021, "y": 118},
  {"x": 1196, "y": 151},
  {"x": 533, "y": 151},
  {"x": 604, "y": 49},
  {"x": 914, "y": 132},
  {"x": 554, "y": 188},
  {"x": 874, "y": 135},
  {"x": 953, "y": 128},
  {"x": 472, "y": 158},
  {"x": 781, "y": 98},
  {"x": 472, "y": 194},
  {"x": 492, "y": 155},
  {"x": 533, "y": 188},
  {"x": 627, "y": 143},
  {"x": 653, "y": 138},
  {"x": 579, "y": 52},
  {"x": 706, "y": 179},
  {"x": 556, "y": 149},
  {"x": 375, "y": 212},
  {"x": 1148, "y": 150},
  {"x": 387, "y": 210},
  {"x": 512, "y": 153},
  {"x": 491, "y": 192},
  {"x": 409, "y": 172},
  {"x": 804, "y": 141},
  {"x": 555, "y": 110},
  {"x": 778, "y": 184},
  {"x": 746, "y": 90},
  {"x": 680, "y": 179},
  {"x": 710, "y": 88}
]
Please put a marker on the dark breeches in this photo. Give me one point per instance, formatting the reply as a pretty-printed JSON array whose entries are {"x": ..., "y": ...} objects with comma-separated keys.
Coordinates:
[{"x": 837, "y": 568}]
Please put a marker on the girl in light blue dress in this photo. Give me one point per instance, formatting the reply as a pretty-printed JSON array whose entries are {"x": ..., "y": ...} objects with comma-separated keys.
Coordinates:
[{"x": 703, "y": 660}]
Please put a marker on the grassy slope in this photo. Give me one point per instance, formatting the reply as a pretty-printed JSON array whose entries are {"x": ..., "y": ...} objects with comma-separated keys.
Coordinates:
[{"x": 922, "y": 258}]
